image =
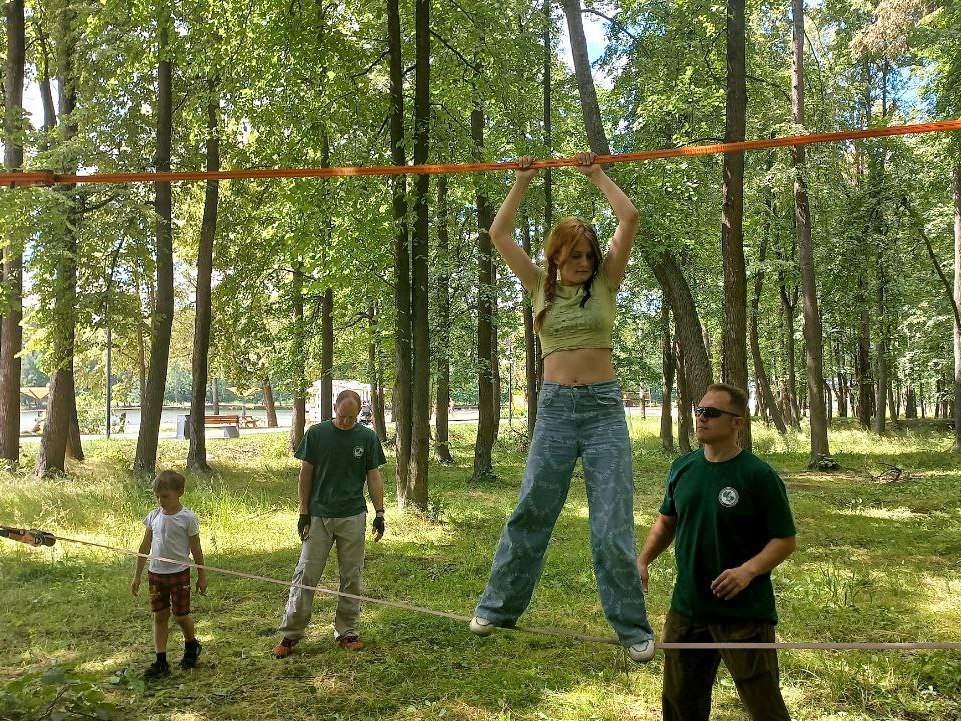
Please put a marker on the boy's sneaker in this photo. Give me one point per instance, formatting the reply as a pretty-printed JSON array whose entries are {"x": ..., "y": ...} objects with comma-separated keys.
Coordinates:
[
  {"x": 192, "y": 651},
  {"x": 481, "y": 626},
  {"x": 285, "y": 647},
  {"x": 641, "y": 652},
  {"x": 156, "y": 670},
  {"x": 350, "y": 642}
]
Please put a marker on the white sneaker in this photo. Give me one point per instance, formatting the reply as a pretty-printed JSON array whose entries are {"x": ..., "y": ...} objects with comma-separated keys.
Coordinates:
[
  {"x": 641, "y": 652},
  {"x": 481, "y": 626}
]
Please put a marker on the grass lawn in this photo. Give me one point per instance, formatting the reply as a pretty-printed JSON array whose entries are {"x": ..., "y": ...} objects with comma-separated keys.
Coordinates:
[{"x": 875, "y": 562}]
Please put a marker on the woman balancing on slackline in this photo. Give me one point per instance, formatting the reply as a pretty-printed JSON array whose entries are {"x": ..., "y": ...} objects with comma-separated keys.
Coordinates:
[{"x": 580, "y": 413}]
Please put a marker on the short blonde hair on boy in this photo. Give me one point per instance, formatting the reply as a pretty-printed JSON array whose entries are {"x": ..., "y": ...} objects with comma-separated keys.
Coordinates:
[{"x": 169, "y": 481}]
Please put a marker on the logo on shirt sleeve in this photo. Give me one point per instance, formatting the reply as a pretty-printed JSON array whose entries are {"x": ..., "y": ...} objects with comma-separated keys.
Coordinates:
[
  {"x": 358, "y": 451},
  {"x": 728, "y": 497}
]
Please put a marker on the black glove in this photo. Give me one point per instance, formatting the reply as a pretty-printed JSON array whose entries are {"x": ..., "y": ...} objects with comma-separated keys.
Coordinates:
[
  {"x": 379, "y": 527},
  {"x": 303, "y": 526}
]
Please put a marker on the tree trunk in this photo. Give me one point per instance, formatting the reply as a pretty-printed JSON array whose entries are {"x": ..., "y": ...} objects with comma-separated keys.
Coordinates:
[
  {"x": 442, "y": 403},
  {"x": 145, "y": 459},
  {"x": 376, "y": 375},
  {"x": 957, "y": 303},
  {"x": 298, "y": 381},
  {"x": 197, "y": 451},
  {"x": 61, "y": 401},
  {"x": 327, "y": 355},
  {"x": 548, "y": 192},
  {"x": 667, "y": 378},
  {"x": 765, "y": 395},
  {"x": 215, "y": 395},
  {"x": 881, "y": 364},
  {"x": 734, "y": 341},
  {"x": 531, "y": 359},
  {"x": 789, "y": 402},
  {"x": 11, "y": 333},
  {"x": 486, "y": 425},
  {"x": 416, "y": 491},
  {"x": 401, "y": 409},
  {"x": 687, "y": 325},
  {"x": 664, "y": 266},
  {"x": 684, "y": 402},
  {"x": 596, "y": 136},
  {"x": 269, "y": 407},
  {"x": 813, "y": 336}
]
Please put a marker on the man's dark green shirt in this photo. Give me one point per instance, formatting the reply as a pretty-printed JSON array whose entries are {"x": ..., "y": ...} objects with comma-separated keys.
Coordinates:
[
  {"x": 726, "y": 513},
  {"x": 341, "y": 460}
]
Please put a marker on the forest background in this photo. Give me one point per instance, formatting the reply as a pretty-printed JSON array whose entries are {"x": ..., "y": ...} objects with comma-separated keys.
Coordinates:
[{"x": 819, "y": 277}]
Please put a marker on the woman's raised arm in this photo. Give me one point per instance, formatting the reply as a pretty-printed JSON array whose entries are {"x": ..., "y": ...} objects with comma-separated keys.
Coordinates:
[{"x": 502, "y": 229}]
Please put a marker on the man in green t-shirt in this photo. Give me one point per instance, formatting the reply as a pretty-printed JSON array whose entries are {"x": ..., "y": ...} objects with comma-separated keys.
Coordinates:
[
  {"x": 337, "y": 458},
  {"x": 727, "y": 513}
]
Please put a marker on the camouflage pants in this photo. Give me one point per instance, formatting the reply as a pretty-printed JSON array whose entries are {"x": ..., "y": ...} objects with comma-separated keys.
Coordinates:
[{"x": 586, "y": 422}]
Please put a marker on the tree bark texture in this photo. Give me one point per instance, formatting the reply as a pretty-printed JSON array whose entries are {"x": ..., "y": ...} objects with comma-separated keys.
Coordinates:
[
  {"x": 734, "y": 339},
  {"x": 269, "y": 406},
  {"x": 442, "y": 402},
  {"x": 813, "y": 336},
  {"x": 416, "y": 491},
  {"x": 197, "y": 451},
  {"x": 298, "y": 380},
  {"x": 145, "y": 459},
  {"x": 11, "y": 333},
  {"x": 327, "y": 355},
  {"x": 486, "y": 426},
  {"x": 667, "y": 378},
  {"x": 402, "y": 395},
  {"x": 531, "y": 359},
  {"x": 56, "y": 442},
  {"x": 957, "y": 303}
]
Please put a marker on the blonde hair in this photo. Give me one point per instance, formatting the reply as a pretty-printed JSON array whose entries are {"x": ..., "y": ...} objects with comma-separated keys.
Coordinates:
[
  {"x": 169, "y": 481},
  {"x": 560, "y": 244}
]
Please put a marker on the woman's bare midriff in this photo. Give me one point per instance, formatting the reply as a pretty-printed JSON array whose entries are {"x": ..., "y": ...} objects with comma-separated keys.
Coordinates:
[{"x": 579, "y": 367}]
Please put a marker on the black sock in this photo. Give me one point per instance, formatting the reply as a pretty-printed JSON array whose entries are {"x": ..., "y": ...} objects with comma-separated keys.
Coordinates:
[
  {"x": 161, "y": 657},
  {"x": 191, "y": 646}
]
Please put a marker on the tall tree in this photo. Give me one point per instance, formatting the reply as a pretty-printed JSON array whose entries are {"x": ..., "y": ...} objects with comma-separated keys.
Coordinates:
[
  {"x": 61, "y": 400},
  {"x": 145, "y": 459},
  {"x": 487, "y": 425},
  {"x": 667, "y": 376},
  {"x": 442, "y": 402},
  {"x": 298, "y": 420},
  {"x": 662, "y": 263},
  {"x": 813, "y": 337},
  {"x": 734, "y": 341},
  {"x": 416, "y": 489},
  {"x": 11, "y": 303},
  {"x": 957, "y": 304},
  {"x": 401, "y": 407},
  {"x": 197, "y": 451}
]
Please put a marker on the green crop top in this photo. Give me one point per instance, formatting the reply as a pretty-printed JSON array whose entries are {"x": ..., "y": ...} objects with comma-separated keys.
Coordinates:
[{"x": 567, "y": 326}]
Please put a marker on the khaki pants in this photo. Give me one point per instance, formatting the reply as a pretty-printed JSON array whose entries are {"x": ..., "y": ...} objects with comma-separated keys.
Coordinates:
[
  {"x": 348, "y": 533},
  {"x": 689, "y": 675}
]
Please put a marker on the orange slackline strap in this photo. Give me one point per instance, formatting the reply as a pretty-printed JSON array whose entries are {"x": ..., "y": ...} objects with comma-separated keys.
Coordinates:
[
  {"x": 47, "y": 177},
  {"x": 556, "y": 632}
]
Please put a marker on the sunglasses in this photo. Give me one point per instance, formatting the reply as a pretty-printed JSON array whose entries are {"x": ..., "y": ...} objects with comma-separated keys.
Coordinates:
[{"x": 711, "y": 412}]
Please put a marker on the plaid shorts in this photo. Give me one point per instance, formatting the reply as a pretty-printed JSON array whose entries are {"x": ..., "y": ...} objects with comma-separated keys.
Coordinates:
[{"x": 170, "y": 590}]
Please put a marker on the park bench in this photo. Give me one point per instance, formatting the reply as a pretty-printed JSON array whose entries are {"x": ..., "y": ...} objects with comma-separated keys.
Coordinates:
[{"x": 231, "y": 424}]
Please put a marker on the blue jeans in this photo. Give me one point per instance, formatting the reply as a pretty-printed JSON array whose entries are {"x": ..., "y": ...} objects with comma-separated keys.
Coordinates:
[{"x": 586, "y": 422}]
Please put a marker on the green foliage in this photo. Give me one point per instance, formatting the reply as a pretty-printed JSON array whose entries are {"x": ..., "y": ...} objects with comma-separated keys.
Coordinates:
[{"x": 58, "y": 694}]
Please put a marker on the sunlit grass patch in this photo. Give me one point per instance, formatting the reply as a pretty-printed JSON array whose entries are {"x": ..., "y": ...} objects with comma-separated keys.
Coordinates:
[{"x": 876, "y": 561}]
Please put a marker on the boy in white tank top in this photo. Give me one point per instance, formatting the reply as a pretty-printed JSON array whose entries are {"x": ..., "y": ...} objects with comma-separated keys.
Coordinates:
[{"x": 172, "y": 533}]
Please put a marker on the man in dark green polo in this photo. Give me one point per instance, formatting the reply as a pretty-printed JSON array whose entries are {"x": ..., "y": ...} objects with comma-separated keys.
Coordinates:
[
  {"x": 727, "y": 513},
  {"x": 338, "y": 458}
]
